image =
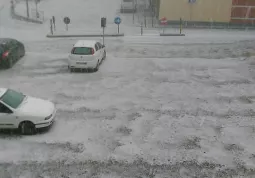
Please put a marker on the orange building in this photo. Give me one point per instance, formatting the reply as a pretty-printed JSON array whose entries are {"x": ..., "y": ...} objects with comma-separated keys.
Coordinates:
[
  {"x": 243, "y": 12},
  {"x": 208, "y": 12}
]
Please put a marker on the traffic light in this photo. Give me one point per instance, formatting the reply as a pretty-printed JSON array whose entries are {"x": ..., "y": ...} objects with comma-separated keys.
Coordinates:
[{"x": 103, "y": 22}]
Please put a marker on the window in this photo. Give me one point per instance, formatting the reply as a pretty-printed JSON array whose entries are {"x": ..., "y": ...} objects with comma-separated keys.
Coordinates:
[
  {"x": 1, "y": 51},
  {"x": 3, "y": 46},
  {"x": 12, "y": 98},
  {"x": 97, "y": 48},
  {"x": 82, "y": 51},
  {"x": 4, "y": 109},
  {"x": 13, "y": 44},
  {"x": 99, "y": 45},
  {"x": 127, "y": 0}
]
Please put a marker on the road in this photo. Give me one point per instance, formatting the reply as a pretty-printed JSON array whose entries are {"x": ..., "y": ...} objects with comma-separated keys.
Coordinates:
[{"x": 172, "y": 107}]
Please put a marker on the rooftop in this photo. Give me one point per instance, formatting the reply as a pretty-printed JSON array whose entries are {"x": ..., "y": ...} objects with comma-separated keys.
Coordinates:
[{"x": 85, "y": 43}]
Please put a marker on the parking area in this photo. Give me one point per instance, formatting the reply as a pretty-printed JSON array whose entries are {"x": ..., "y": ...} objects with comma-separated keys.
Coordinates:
[{"x": 187, "y": 106}]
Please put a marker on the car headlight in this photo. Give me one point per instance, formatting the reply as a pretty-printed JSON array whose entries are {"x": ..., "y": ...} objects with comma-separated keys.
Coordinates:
[{"x": 47, "y": 118}]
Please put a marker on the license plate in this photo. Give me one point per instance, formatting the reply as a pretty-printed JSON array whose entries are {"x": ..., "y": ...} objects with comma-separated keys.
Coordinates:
[{"x": 81, "y": 62}]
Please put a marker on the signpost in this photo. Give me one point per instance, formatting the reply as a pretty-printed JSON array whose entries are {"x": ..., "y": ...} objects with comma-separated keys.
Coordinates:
[
  {"x": 51, "y": 29},
  {"x": 117, "y": 21},
  {"x": 163, "y": 21},
  {"x": 103, "y": 25},
  {"x": 54, "y": 22},
  {"x": 67, "y": 21}
]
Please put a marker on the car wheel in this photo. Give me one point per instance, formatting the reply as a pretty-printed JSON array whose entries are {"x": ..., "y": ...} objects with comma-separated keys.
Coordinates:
[
  {"x": 27, "y": 128},
  {"x": 23, "y": 53},
  {"x": 70, "y": 69},
  {"x": 104, "y": 55},
  {"x": 9, "y": 63}
]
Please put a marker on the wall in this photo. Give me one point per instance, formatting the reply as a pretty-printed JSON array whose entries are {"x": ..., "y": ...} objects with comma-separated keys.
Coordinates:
[
  {"x": 200, "y": 11},
  {"x": 243, "y": 12}
]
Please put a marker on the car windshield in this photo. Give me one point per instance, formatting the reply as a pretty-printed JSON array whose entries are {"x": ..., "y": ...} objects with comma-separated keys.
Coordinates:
[
  {"x": 82, "y": 51},
  {"x": 12, "y": 98}
]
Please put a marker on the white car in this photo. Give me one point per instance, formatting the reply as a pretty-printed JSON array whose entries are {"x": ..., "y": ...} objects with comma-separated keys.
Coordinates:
[
  {"x": 18, "y": 111},
  {"x": 86, "y": 55}
]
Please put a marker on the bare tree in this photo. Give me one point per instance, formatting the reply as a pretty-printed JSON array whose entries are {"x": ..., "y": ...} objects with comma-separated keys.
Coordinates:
[{"x": 27, "y": 8}]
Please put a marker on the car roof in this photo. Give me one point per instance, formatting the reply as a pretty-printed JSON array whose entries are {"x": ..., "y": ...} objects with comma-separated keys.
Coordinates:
[
  {"x": 5, "y": 40},
  {"x": 2, "y": 91},
  {"x": 85, "y": 43}
]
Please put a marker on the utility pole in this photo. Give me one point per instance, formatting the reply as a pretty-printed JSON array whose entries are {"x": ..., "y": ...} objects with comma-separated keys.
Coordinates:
[
  {"x": 133, "y": 11},
  {"x": 27, "y": 9}
]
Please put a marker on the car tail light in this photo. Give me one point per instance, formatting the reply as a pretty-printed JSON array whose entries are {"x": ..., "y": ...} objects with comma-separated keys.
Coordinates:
[
  {"x": 93, "y": 51},
  {"x": 5, "y": 54}
]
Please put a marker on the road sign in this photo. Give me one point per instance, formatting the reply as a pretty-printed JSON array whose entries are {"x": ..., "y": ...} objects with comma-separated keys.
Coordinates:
[
  {"x": 163, "y": 21},
  {"x": 117, "y": 20},
  {"x": 67, "y": 20}
]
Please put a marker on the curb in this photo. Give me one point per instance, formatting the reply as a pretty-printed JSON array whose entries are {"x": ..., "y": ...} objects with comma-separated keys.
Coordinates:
[
  {"x": 88, "y": 35},
  {"x": 171, "y": 34}
]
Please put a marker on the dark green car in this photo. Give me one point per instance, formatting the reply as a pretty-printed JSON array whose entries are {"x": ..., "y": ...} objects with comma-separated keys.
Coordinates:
[{"x": 11, "y": 51}]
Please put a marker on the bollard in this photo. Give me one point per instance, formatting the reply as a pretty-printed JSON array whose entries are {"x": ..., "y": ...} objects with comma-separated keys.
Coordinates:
[
  {"x": 180, "y": 25},
  {"x": 141, "y": 29}
]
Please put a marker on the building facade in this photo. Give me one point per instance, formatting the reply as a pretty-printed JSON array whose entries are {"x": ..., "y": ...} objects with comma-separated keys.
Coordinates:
[
  {"x": 208, "y": 11},
  {"x": 243, "y": 12}
]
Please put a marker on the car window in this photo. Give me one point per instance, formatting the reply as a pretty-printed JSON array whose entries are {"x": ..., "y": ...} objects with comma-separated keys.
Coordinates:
[
  {"x": 4, "y": 109},
  {"x": 12, "y": 98},
  {"x": 99, "y": 45},
  {"x": 12, "y": 44},
  {"x": 3, "y": 46},
  {"x": 96, "y": 46},
  {"x": 1, "y": 50},
  {"x": 82, "y": 51}
]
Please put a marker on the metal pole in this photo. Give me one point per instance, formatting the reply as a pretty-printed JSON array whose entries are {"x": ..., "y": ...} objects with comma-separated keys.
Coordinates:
[
  {"x": 103, "y": 35},
  {"x": 27, "y": 8},
  {"x": 141, "y": 29},
  {"x": 180, "y": 25},
  {"x": 118, "y": 28},
  {"x": 133, "y": 11},
  {"x": 51, "y": 30},
  {"x": 66, "y": 27}
]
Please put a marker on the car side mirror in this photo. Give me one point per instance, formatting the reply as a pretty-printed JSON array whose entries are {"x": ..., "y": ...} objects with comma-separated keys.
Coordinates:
[{"x": 9, "y": 112}]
